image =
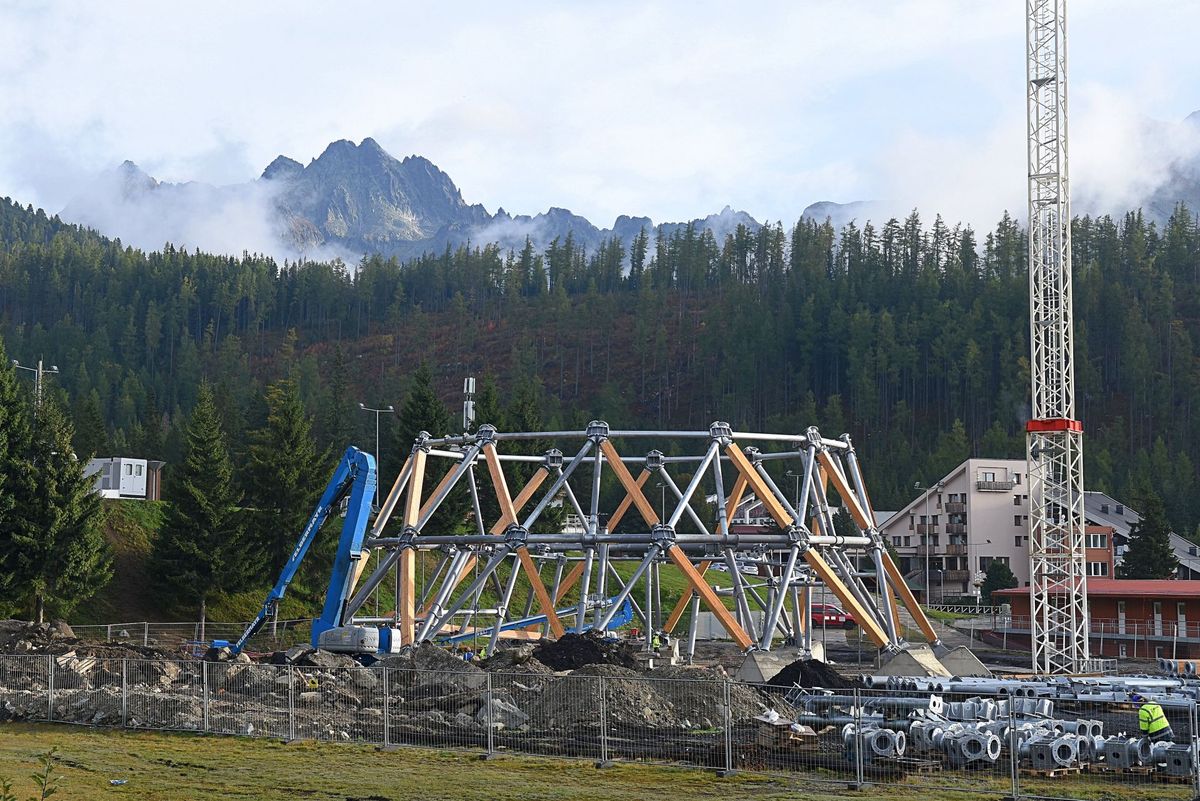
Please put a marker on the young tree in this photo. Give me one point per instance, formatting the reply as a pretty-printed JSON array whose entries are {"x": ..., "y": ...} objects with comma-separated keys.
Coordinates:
[
  {"x": 284, "y": 475},
  {"x": 63, "y": 558},
  {"x": 422, "y": 410},
  {"x": 1150, "y": 555},
  {"x": 999, "y": 577},
  {"x": 91, "y": 435},
  {"x": 202, "y": 550}
]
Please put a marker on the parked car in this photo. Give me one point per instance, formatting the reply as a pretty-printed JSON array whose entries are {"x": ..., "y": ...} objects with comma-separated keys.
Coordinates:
[{"x": 831, "y": 616}]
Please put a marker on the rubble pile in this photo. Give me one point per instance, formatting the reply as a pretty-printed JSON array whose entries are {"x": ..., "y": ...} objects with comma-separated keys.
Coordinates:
[
  {"x": 573, "y": 651},
  {"x": 810, "y": 673}
]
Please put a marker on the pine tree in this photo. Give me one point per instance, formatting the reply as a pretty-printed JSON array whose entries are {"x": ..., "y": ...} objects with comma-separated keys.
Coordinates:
[
  {"x": 63, "y": 557},
  {"x": 17, "y": 482},
  {"x": 999, "y": 577},
  {"x": 422, "y": 410},
  {"x": 1150, "y": 555},
  {"x": 284, "y": 475},
  {"x": 337, "y": 424},
  {"x": 91, "y": 436},
  {"x": 202, "y": 550}
]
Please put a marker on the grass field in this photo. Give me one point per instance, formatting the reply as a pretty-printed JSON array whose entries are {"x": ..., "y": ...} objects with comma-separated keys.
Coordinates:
[{"x": 174, "y": 767}]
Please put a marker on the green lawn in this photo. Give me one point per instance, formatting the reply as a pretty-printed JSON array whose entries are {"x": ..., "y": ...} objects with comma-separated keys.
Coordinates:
[{"x": 175, "y": 767}]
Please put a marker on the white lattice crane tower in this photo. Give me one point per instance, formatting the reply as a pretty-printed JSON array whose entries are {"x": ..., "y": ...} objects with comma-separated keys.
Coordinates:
[{"x": 1058, "y": 565}]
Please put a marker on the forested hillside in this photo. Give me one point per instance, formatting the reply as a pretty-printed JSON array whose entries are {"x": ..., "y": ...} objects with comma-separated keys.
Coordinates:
[{"x": 911, "y": 335}]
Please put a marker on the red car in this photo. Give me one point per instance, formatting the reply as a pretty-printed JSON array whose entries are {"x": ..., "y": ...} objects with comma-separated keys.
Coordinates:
[{"x": 830, "y": 616}]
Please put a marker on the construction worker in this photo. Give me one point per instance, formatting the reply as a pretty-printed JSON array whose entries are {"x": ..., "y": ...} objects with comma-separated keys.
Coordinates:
[{"x": 1152, "y": 721}]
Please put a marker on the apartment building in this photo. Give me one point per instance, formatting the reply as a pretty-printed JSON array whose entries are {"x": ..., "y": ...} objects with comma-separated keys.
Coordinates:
[{"x": 952, "y": 531}]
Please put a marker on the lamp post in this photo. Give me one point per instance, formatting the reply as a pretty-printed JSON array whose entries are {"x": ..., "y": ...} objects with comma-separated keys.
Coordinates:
[
  {"x": 377, "y": 412},
  {"x": 797, "y": 476},
  {"x": 926, "y": 536},
  {"x": 39, "y": 374}
]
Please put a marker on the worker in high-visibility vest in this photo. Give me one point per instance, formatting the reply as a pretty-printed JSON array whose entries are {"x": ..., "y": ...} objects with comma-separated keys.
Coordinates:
[{"x": 1152, "y": 720}]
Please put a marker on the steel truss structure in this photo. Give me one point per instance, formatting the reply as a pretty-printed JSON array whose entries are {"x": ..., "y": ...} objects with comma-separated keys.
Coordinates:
[
  {"x": 1058, "y": 564},
  {"x": 570, "y": 581}
]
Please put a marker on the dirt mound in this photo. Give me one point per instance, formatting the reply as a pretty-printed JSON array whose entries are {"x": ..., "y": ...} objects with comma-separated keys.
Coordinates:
[
  {"x": 810, "y": 673},
  {"x": 574, "y": 651},
  {"x": 23, "y": 637},
  {"x": 698, "y": 696}
]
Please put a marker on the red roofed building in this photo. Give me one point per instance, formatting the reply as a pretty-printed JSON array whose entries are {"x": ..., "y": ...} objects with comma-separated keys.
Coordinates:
[{"x": 1133, "y": 618}]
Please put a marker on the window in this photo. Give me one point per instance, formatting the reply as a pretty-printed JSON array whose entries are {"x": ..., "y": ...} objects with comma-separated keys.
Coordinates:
[
  {"x": 1016, "y": 520},
  {"x": 1120, "y": 509},
  {"x": 907, "y": 541},
  {"x": 1016, "y": 478},
  {"x": 1123, "y": 652},
  {"x": 984, "y": 561},
  {"x": 934, "y": 520},
  {"x": 1097, "y": 569},
  {"x": 129, "y": 470},
  {"x": 1097, "y": 540},
  {"x": 895, "y": 542},
  {"x": 922, "y": 520},
  {"x": 138, "y": 470},
  {"x": 987, "y": 475},
  {"x": 1017, "y": 541},
  {"x": 1016, "y": 500},
  {"x": 1104, "y": 508}
]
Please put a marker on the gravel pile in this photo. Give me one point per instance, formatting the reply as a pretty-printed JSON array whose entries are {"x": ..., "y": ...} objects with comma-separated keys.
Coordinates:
[
  {"x": 574, "y": 651},
  {"x": 810, "y": 673}
]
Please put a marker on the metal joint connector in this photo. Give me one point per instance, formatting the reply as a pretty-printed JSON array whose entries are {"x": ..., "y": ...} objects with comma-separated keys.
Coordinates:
[
  {"x": 597, "y": 430},
  {"x": 486, "y": 433},
  {"x": 753, "y": 454},
  {"x": 422, "y": 443},
  {"x": 516, "y": 536},
  {"x": 796, "y": 536},
  {"x": 408, "y": 537},
  {"x": 721, "y": 432},
  {"x": 554, "y": 459},
  {"x": 663, "y": 536},
  {"x": 654, "y": 461},
  {"x": 813, "y": 435}
]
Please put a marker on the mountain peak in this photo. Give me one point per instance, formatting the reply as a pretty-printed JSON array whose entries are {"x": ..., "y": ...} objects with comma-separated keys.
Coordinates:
[{"x": 282, "y": 168}]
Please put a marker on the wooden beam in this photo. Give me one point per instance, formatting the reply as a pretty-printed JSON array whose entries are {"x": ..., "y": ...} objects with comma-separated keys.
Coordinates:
[
  {"x": 761, "y": 490},
  {"x": 407, "y": 602},
  {"x": 848, "y": 496},
  {"x": 907, "y": 597},
  {"x": 734, "y": 500},
  {"x": 632, "y": 487},
  {"x": 509, "y": 510},
  {"x": 441, "y": 486},
  {"x": 389, "y": 504},
  {"x": 522, "y": 498},
  {"x": 684, "y": 600},
  {"x": 627, "y": 502},
  {"x": 865, "y": 620},
  {"x": 710, "y": 598}
]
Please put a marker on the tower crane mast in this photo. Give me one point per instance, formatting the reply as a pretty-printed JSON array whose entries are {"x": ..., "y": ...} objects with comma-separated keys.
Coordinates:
[{"x": 1054, "y": 437}]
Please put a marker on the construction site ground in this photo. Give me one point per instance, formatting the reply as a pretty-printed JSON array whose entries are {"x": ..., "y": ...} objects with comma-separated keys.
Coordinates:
[{"x": 179, "y": 767}]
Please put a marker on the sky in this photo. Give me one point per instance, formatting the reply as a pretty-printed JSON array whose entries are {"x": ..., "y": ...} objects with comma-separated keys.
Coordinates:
[{"x": 666, "y": 109}]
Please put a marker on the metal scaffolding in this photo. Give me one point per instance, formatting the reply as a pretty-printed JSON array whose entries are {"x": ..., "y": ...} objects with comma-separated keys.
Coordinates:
[
  {"x": 508, "y": 556},
  {"x": 1058, "y": 565}
]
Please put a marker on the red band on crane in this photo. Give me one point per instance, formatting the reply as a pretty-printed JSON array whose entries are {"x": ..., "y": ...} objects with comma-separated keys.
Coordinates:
[{"x": 1053, "y": 424}]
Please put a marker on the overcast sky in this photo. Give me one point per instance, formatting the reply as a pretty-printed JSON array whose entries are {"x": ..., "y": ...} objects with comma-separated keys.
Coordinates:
[{"x": 671, "y": 110}]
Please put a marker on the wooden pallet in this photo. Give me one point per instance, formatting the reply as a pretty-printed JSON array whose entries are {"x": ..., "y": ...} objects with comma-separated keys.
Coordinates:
[
  {"x": 918, "y": 765},
  {"x": 1052, "y": 773}
]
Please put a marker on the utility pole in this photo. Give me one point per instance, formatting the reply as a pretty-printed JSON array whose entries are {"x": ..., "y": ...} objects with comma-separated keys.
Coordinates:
[
  {"x": 926, "y": 538},
  {"x": 1054, "y": 438},
  {"x": 39, "y": 374},
  {"x": 377, "y": 412}
]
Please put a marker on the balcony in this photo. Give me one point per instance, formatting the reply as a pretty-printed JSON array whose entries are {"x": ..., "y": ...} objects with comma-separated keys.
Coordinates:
[
  {"x": 994, "y": 486},
  {"x": 956, "y": 576},
  {"x": 956, "y": 508},
  {"x": 956, "y": 528},
  {"x": 956, "y": 550},
  {"x": 927, "y": 528},
  {"x": 928, "y": 550}
]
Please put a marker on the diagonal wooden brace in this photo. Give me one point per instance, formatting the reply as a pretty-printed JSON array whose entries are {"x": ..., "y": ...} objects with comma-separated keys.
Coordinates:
[
  {"x": 407, "y": 602},
  {"x": 627, "y": 502},
  {"x": 508, "y": 510},
  {"x": 633, "y": 488},
  {"x": 710, "y": 598},
  {"x": 684, "y": 600}
]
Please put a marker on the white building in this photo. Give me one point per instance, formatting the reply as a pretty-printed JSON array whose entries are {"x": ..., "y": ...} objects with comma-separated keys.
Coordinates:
[
  {"x": 124, "y": 477},
  {"x": 977, "y": 513}
]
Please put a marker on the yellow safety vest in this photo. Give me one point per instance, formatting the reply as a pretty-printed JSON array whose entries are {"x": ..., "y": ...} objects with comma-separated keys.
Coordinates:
[{"x": 1151, "y": 718}]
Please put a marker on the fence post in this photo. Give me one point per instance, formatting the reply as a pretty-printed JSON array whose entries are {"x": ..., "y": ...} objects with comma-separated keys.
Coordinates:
[
  {"x": 292, "y": 703},
  {"x": 603, "y": 705},
  {"x": 146, "y": 634},
  {"x": 124, "y": 694},
  {"x": 204, "y": 682},
  {"x": 727, "y": 714},
  {"x": 1193, "y": 720},
  {"x": 490, "y": 718},
  {"x": 49, "y": 687},
  {"x": 1014, "y": 751},
  {"x": 859, "y": 772},
  {"x": 387, "y": 705}
]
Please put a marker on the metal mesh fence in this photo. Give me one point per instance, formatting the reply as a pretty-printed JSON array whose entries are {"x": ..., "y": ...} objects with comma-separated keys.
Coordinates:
[{"x": 1002, "y": 745}]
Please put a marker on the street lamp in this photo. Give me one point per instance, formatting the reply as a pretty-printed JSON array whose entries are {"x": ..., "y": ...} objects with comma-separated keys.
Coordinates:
[
  {"x": 39, "y": 374},
  {"x": 797, "y": 476},
  {"x": 941, "y": 586},
  {"x": 926, "y": 535},
  {"x": 377, "y": 412}
]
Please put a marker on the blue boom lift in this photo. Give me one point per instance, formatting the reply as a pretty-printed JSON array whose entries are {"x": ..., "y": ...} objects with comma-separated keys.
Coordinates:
[{"x": 353, "y": 477}]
